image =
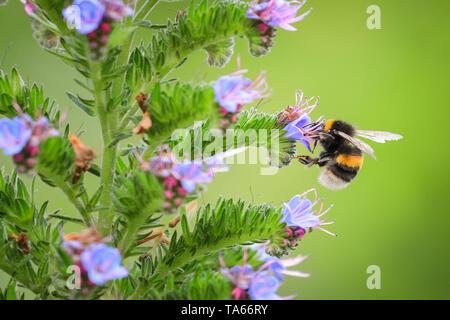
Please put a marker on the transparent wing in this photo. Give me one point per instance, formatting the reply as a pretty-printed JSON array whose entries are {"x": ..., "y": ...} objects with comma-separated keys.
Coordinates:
[
  {"x": 378, "y": 136},
  {"x": 361, "y": 145}
]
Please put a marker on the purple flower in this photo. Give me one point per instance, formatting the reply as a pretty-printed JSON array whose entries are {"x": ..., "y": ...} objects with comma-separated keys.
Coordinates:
[
  {"x": 264, "y": 286},
  {"x": 102, "y": 263},
  {"x": 277, "y": 13},
  {"x": 85, "y": 15},
  {"x": 192, "y": 173},
  {"x": 116, "y": 10},
  {"x": 301, "y": 128},
  {"x": 14, "y": 135},
  {"x": 298, "y": 212},
  {"x": 277, "y": 266},
  {"x": 160, "y": 165},
  {"x": 294, "y": 130},
  {"x": 239, "y": 276},
  {"x": 233, "y": 90}
]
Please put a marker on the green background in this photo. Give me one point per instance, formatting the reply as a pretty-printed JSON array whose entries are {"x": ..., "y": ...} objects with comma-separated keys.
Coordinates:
[{"x": 395, "y": 214}]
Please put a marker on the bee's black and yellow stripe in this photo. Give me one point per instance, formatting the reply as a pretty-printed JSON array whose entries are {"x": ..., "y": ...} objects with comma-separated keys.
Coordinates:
[{"x": 347, "y": 166}]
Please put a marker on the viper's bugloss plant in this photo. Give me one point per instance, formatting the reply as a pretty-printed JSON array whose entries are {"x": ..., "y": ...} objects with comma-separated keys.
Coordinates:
[{"x": 123, "y": 249}]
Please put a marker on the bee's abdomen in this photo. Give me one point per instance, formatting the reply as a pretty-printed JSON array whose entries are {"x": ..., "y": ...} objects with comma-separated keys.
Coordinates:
[
  {"x": 342, "y": 171},
  {"x": 350, "y": 161}
]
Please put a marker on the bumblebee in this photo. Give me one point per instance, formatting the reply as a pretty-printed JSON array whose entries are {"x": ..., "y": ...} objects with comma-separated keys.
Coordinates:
[{"x": 342, "y": 154}]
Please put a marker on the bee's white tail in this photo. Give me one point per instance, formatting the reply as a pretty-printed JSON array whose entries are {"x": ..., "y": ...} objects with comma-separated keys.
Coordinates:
[{"x": 330, "y": 181}]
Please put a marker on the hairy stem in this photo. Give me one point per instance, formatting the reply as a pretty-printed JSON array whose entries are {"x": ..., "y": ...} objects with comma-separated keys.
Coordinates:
[
  {"x": 107, "y": 123},
  {"x": 71, "y": 194}
]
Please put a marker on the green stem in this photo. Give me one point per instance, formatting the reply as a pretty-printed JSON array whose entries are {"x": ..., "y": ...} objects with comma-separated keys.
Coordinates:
[
  {"x": 107, "y": 123},
  {"x": 70, "y": 193}
]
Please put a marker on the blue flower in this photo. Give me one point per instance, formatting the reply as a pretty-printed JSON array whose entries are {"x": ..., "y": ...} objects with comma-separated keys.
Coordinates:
[
  {"x": 277, "y": 13},
  {"x": 85, "y": 15},
  {"x": 102, "y": 263},
  {"x": 277, "y": 266},
  {"x": 234, "y": 90},
  {"x": 192, "y": 173},
  {"x": 239, "y": 276},
  {"x": 295, "y": 130},
  {"x": 299, "y": 212},
  {"x": 14, "y": 135},
  {"x": 264, "y": 286}
]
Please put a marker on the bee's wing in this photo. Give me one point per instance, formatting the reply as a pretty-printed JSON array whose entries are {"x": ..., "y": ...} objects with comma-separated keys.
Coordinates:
[
  {"x": 361, "y": 145},
  {"x": 378, "y": 136}
]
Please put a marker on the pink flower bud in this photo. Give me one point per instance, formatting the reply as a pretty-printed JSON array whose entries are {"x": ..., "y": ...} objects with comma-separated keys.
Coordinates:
[
  {"x": 93, "y": 45},
  {"x": 178, "y": 202},
  {"x": 290, "y": 233},
  {"x": 18, "y": 157},
  {"x": 105, "y": 27},
  {"x": 233, "y": 119},
  {"x": 167, "y": 205},
  {"x": 21, "y": 169},
  {"x": 225, "y": 123},
  {"x": 262, "y": 28},
  {"x": 168, "y": 194},
  {"x": 31, "y": 163},
  {"x": 238, "y": 293},
  {"x": 170, "y": 182},
  {"x": 92, "y": 35},
  {"x": 32, "y": 150},
  {"x": 181, "y": 191},
  {"x": 104, "y": 39},
  {"x": 224, "y": 111},
  {"x": 299, "y": 233}
]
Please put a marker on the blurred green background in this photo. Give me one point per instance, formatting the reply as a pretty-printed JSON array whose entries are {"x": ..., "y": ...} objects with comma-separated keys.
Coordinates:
[{"x": 395, "y": 214}]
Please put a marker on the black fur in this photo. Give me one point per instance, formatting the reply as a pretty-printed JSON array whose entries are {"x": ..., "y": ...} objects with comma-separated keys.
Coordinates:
[{"x": 335, "y": 145}]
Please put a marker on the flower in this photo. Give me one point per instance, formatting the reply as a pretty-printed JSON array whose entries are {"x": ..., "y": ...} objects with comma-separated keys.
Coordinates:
[
  {"x": 29, "y": 7},
  {"x": 85, "y": 15},
  {"x": 14, "y": 135},
  {"x": 191, "y": 173},
  {"x": 102, "y": 263},
  {"x": 239, "y": 276},
  {"x": 277, "y": 13},
  {"x": 116, "y": 10},
  {"x": 264, "y": 286},
  {"x": 298, "y": 123},
  {"x": 279, "y": 266},
  {"x": 233, "y": 90},
  {"x": 298, "y": 212},
  {"x": 160, "y": 165},
  {"x": 294, "y": 130}
]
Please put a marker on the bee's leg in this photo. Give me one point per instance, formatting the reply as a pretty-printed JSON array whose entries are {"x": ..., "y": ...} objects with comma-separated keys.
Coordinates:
[
  {"x": 307, "y": 160},
  {"x": 315, "y": 145},
  {"x": 321, "y": 161}
]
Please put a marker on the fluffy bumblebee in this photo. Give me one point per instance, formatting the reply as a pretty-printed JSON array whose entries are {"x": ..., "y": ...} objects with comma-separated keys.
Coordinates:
[{"x": 342, "y": 154}]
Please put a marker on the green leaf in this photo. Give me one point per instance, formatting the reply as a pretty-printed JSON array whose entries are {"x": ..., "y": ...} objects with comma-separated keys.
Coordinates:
[
  {"x": 82, "y": 104},
  {"x": 30, "y": 99}
]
